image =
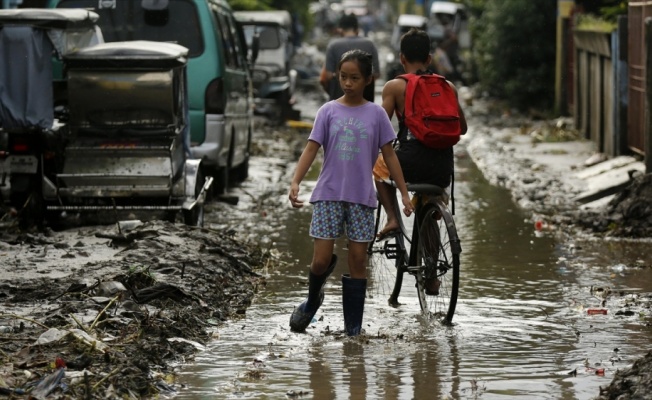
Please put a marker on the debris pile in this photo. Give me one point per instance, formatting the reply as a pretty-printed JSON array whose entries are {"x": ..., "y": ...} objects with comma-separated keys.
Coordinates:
[{"x": 117, "y": 328}]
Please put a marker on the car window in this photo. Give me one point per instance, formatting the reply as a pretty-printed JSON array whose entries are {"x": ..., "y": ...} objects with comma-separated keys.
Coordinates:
[
  {"x": 268, "y": 36},
  {"x": 179, "y": 23},
  {"x": 239, "y": 48},
  {"x": 230, "y": 56}
]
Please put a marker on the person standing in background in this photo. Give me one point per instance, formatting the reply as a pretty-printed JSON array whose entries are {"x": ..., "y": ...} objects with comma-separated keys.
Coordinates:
[{"x": 349, "y": 40}]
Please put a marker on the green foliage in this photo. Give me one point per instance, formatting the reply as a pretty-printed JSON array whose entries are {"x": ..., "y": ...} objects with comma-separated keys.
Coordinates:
[
  {"x": 250, "y": 5},
  {"x": 592, "y": 23},
  {"x": 514, "y": 50},
  {"x": 612, "y": 9}
]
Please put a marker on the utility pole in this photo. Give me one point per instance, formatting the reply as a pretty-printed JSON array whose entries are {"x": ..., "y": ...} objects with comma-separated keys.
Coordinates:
[
  {"x": 564, "y": 10},
  {"x": 647, "y": 129}
]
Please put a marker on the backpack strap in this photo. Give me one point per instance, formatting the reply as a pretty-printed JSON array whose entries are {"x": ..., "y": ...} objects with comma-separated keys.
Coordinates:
[
  {"x": 402, "y": 128},
  {"x": 411, "y": 82}
]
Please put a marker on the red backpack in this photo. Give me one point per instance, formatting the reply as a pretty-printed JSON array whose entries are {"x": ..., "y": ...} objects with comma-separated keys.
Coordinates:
[{"x": 431, "y": 112}]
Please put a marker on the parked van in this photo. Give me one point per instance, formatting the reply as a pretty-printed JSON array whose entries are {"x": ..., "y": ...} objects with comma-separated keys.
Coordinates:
[
  {"x": 219, "y": 84},
  {"x": 274, "y": 79}
]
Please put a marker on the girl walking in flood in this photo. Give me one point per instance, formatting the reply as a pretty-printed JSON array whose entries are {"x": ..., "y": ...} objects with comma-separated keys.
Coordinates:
[{"x": 351, "y": 131}]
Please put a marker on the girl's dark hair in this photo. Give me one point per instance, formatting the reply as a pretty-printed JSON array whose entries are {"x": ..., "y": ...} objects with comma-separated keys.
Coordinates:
[
  {"x": 415, "y": 45},
  {"x": 363, "y": 59}
]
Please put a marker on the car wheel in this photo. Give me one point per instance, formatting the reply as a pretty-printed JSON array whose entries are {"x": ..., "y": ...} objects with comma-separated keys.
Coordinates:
[
  {"x": 241, "y": 172},
  {"x": 221, "y": 181}
]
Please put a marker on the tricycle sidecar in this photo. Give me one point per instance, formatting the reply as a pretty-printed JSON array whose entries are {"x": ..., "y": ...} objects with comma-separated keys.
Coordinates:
[
  {"x": 128, "y": 144},
  {"x": 29, "y": 130}
]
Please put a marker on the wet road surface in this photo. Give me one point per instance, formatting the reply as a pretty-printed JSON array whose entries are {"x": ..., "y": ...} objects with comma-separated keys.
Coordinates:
[{"x": 521, "y": 329}]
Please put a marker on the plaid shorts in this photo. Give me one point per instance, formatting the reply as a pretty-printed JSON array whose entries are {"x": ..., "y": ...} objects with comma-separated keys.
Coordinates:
[{"x": 331, "y": 218}]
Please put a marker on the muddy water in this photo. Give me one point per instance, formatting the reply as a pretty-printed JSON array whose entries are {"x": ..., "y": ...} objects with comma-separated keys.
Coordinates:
[{"x": 520, "y": 330}]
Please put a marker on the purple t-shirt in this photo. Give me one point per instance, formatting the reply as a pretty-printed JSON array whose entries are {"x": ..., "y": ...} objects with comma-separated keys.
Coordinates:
[{"x": 351, "y": 138}]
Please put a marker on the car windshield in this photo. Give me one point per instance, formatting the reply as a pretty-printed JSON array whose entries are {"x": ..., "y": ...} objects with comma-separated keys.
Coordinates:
[
  {"x": 128, "y": 20},
  {"x": 269, "y": 36}
]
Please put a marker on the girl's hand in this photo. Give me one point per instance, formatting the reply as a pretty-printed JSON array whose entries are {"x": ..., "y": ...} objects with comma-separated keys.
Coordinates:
[
  {"x": 294, "y": 196},
  {"x": 408, "y": 208}
]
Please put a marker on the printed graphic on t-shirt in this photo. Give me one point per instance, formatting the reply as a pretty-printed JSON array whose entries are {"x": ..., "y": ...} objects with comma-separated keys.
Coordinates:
[{"x": 349, "y": 131}]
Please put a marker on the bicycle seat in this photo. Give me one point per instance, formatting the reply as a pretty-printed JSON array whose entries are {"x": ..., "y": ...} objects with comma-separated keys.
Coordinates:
[{"x": 425, "y": 188}]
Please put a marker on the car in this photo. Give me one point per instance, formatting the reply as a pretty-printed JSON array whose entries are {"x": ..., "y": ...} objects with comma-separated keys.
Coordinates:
[
  {"x": 404, "y": 23},
  {"x": 220, "y": 89},
  {"x": 274, "y": 79}
]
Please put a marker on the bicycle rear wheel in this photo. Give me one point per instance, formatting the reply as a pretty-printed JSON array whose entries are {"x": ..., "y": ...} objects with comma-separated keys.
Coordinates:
[
  {"x": 438, "y": 263},
  {"x": 386, "y": 263}
]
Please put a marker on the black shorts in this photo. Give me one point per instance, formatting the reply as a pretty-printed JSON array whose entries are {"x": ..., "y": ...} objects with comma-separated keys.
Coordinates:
[{"x": 422, "y": 164}]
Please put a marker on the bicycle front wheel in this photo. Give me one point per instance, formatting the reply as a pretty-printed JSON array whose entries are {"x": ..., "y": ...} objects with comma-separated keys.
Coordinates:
[
  {"x": 438, "y": 264},
  {"x": 386, "y": 264}
]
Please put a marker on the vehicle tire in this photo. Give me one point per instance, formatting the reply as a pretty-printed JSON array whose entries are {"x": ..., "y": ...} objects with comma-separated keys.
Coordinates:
[
  {"x": 284, "y": 106},
  {"x": 387, "y": 260},
  {"x": 28, "y": 200},
  {"x": 195, "y": 217},
  {"x": 220, "y": 181},
  {"x": 241, "y": 172},
  {"x": 439, "y": 264}
]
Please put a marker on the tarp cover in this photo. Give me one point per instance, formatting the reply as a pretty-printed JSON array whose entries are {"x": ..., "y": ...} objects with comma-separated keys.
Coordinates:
[{"x": 25, "y": 78}]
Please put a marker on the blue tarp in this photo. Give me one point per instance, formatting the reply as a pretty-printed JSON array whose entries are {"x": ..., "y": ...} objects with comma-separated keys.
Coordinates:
[{"x": 25, "y": 78}]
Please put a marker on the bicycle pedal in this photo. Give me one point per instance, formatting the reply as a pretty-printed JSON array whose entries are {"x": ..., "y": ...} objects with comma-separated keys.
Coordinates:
[{"x": 391, "y": 251}]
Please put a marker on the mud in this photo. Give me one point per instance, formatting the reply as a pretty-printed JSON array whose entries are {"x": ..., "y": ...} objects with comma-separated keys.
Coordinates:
[
  {"x": 118, "y": 325},
  {"x": 632, "y": 383},
  {"x": 536, "y": 159},
  {"x": 628, "y": 214}
]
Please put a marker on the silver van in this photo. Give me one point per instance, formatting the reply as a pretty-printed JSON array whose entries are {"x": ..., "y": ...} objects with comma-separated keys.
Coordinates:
[
  {"x": 274, "y": 79},
  {"x": 220, "y": 90}
]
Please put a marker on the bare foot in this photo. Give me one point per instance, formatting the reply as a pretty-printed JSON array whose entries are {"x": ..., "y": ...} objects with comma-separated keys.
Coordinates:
[{"x": 389, "y": 229}]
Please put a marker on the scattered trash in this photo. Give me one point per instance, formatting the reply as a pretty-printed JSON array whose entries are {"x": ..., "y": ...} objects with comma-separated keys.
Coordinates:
[
  {"x": 126, "y": 226},
  {"x": 48, "y": 384},
  {"x": 596, "y": 311}
]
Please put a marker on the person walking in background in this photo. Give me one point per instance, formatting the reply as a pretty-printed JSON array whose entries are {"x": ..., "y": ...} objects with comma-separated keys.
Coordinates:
[
  {"x": 351, "y": 131},
  {"x": 349, "y": 40},
  {"x": 441, "y": 63},
  {"x": 367, "y": 22}
]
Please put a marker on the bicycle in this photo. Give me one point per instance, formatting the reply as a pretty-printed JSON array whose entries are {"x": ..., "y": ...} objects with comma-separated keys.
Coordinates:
[{"x": 434, "y": 261}]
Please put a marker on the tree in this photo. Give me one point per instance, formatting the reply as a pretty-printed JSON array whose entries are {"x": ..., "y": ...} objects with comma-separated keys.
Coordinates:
[{"x": 514, "y": 50}]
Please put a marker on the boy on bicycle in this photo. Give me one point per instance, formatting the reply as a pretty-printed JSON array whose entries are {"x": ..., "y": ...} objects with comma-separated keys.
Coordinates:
[{"x": 420, "y": 164}]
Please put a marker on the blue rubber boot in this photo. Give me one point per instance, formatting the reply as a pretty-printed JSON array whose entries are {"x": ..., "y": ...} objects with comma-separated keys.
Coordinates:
[
  {"x": 304, "y": 313},
  {"x": 353, "y": 294}
]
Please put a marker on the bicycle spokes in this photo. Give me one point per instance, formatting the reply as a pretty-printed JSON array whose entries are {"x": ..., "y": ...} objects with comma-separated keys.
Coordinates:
[{"x": 438, "y": 268}]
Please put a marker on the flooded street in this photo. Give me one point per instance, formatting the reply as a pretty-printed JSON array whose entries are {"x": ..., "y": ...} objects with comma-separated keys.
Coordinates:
[{"x": 522, "y": 328}]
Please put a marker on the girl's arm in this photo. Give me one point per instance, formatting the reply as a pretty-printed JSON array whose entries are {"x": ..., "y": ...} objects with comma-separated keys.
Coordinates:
[
  {"x": 396, "y": 173},
  {"x": 305, "y": 161}
]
